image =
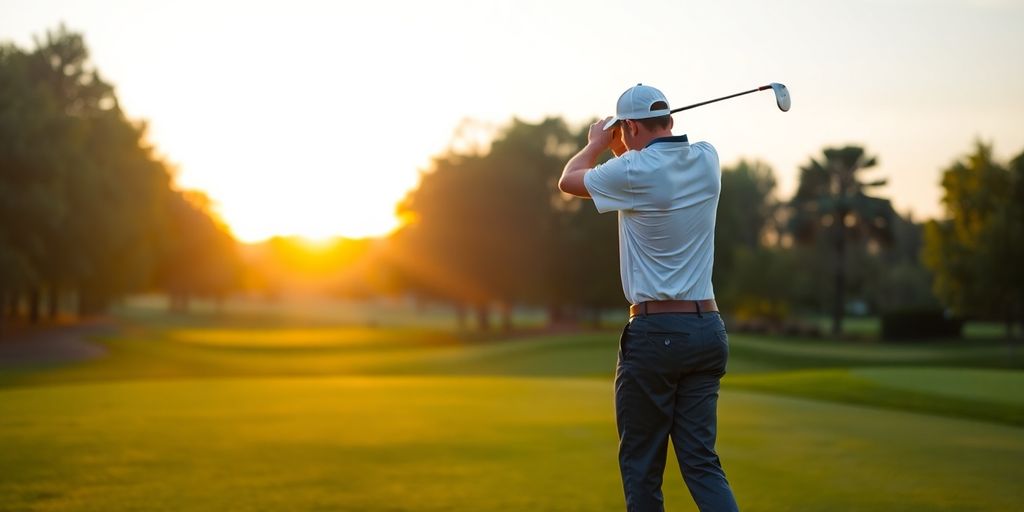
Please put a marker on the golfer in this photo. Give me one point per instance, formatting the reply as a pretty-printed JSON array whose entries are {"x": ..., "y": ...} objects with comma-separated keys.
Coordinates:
[{"x": 673, "y": 351}]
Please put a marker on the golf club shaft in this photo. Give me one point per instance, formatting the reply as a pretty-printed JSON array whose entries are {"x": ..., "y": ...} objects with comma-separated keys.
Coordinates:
[{"x": 680, "y": 109}]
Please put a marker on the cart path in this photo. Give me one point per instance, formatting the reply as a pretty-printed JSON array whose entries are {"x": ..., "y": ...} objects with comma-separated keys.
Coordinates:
[{"x": 54, "y": 344}]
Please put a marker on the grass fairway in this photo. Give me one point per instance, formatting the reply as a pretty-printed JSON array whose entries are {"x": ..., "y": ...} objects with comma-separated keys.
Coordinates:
[
  {"x": 991, "y": 395},
  {"x": 187, "y": 415},
  {"x": 462, "y": 443}
]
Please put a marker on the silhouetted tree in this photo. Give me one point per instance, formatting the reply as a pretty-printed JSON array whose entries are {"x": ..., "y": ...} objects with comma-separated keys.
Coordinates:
[
  {"x": 897, "y": 280},
  {"x": 29, "y": 176},
  {"x": 747, "y": 211},
  {"x": 976, "y": 252},
  {"x": 200, "y": 257},
  {"x": 832, "y": 205},
  {"x": 488, "y": 226},
  {"x": 584, "y": 254},
  {"x": 84, "y": 203}
]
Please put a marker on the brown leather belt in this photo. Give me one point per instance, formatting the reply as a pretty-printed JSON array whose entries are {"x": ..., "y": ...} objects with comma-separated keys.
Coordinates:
[{"x": 672, "y": 306}]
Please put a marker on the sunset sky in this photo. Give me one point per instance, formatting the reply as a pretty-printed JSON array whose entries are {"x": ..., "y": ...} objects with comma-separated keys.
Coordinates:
[{"x": 314, "y": 118}]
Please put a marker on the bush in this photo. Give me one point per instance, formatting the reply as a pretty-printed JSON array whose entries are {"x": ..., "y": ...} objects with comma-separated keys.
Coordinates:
[{"x": 920, "y": 324}]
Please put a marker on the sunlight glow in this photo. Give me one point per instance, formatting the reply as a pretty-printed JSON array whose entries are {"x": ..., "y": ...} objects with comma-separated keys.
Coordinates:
[{"x": 314, "y": 118}]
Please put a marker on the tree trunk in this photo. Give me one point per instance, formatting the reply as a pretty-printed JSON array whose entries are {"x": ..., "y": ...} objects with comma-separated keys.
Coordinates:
[
  {"x": 53, "y": 303},
  {"x": 506, "y": 318},
  {"x": 12, "y": 304},
  {"x": 460, "y": 315},
  {"x": 179, "y": 302},
  {"x": 1009, "y": 320},
  {"x": 483, "y": 317},
  {"x": 838, "y": 307},
  {"x": 3, "y": 311},
  {"x": 554, "y": 314},
  {"x": 1016, "y": 315},
  {"x": 91, "y": 303},
  {"x": 34, "y": 298},
  {"x": 1020, "y": 316}
]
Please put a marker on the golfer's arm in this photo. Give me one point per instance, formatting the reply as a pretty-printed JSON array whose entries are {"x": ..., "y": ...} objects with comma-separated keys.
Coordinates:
[{"x": 571, "y": 181}]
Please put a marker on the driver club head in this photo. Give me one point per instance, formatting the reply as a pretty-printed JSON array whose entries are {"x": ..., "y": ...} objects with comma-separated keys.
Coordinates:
[{"x": 781, "y": 96}]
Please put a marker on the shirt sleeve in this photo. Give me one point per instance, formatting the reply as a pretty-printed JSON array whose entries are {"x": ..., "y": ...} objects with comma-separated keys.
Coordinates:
[
  {"x": 709, "y": 150},
  {"x": 609, "y": 186}
]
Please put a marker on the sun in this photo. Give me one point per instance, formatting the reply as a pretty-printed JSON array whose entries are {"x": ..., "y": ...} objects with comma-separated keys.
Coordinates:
[
  {"x": 310, "y": 213},
  {"x": 271, "y": 182}
]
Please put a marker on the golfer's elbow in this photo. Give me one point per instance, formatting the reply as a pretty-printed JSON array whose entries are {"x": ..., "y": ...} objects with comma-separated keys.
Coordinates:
[
  {"x": 572, "y": 183},
  {"x": 562, "y": 184}
]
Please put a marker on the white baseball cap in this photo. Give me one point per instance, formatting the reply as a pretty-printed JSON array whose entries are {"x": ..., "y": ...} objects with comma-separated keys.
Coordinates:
[{"x": 636, "y": 103}]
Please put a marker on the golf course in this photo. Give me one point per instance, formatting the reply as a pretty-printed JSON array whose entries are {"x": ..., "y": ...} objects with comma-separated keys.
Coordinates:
[
  {"x": 460, "y": 256},
  {"x": 247, "y": 410}
]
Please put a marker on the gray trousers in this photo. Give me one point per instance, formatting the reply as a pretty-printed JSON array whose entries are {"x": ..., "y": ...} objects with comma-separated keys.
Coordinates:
[{"x": 666, "y": 385}]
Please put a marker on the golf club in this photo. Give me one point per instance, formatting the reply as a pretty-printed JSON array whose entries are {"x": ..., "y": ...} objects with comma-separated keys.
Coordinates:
[{"x": 781, "y": 97}]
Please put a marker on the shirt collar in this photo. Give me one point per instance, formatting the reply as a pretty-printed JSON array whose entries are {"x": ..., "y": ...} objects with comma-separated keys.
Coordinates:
[{"x": 674, "y": 138}]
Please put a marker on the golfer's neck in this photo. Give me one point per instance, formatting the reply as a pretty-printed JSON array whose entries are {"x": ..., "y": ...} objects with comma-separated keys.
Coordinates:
[{"x": 657, "y": 134}]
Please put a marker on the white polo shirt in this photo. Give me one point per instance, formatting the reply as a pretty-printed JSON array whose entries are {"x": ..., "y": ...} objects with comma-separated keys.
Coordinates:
[{"x": 666, "y": 195}]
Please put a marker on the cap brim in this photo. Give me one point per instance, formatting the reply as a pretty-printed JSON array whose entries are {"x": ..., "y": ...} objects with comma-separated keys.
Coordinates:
[{"x": 638, "y": 115}]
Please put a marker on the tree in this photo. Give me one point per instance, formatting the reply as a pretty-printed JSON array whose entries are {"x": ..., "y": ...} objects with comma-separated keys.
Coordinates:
[
  {"x": 832, "y": 209},
  {"x": 1013, "y": 230},
  {"x": 896, "y": 279},
  {"x": 747, "y": 208},
  {"x": 976, "y": 252},
  {"x": 199, "y": 256},
  {"x": 584, "y": 254},
  {"x": 763, "y": 284},
  {"x": 490, "y": 226},
  {"x": 111, "y": 185},
  {"x": 84, "y": 203},
  {"x": 29, "y": 177},
  {"x": 444, "y": 250}
]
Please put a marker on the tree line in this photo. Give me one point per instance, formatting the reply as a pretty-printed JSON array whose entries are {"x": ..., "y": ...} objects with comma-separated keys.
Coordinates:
[
  {"x": 489, "y": 229},
  {"x": 87, "y": 210}
]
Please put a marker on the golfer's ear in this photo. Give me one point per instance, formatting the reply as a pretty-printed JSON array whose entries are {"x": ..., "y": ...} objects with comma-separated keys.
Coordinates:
[{"x": 635, "y": 127}]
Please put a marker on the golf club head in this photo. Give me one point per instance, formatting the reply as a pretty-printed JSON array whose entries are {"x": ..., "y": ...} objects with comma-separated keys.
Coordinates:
[{"x": 781, "y": 96}]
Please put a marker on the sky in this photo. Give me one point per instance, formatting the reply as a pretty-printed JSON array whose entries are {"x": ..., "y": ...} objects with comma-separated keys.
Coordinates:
[{"x": 315, "y": 118}]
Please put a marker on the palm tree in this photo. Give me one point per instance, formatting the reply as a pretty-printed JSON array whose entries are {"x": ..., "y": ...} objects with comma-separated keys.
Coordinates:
[{"x": 832, "y": 206}]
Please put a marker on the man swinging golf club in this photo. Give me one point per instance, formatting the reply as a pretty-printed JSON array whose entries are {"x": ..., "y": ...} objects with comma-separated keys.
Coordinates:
[{"x": 673, "y": 351}]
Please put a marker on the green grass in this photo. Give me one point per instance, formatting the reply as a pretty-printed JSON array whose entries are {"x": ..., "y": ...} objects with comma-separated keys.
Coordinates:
[
  {"x": 856, "y": 326},
  {"x": 143, "y": 351},
  {"x": 995, "y": 386},
  {"x": 929, "y": 390},
  {"x": 458, "y": 443},
  {"x": 240, "y": 411},
  {"x": 762, "y": 353}
]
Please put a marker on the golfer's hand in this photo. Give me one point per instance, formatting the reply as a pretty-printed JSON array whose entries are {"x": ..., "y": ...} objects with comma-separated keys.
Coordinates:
[{"x": 598, "y": 136}]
